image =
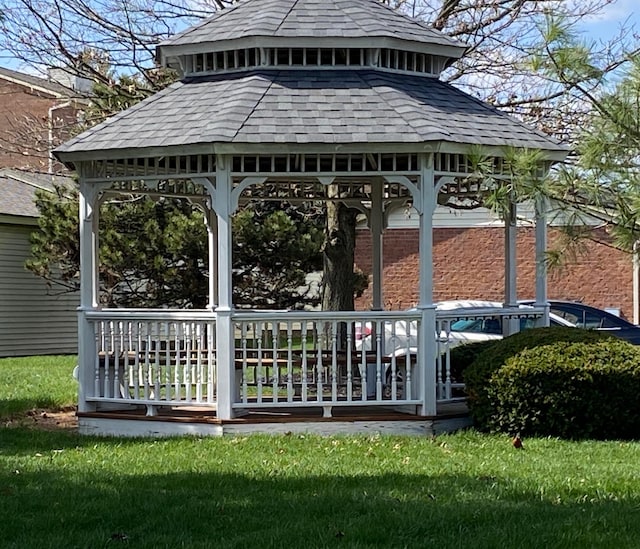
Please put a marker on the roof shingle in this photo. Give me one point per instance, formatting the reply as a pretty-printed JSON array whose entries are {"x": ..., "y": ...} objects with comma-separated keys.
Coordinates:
[{"x": 311, "y": 107}]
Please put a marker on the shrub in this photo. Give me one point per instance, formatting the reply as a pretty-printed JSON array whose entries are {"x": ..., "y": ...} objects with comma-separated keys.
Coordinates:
[
  {"x": 462, "y": 356},
  {"x": 569, "y": 390},
  {"x": 478, "y": 375}
]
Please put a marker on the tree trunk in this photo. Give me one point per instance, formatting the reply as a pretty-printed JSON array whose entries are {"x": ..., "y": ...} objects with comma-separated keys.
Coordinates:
[{"x": 339, "y": 249}]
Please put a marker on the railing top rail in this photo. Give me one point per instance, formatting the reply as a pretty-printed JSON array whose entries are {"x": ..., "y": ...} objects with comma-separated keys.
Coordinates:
[
  {"x": 504, "y": 312},
  {"x": 324, "y": 316},
  {"x": 150, "y": 314}
]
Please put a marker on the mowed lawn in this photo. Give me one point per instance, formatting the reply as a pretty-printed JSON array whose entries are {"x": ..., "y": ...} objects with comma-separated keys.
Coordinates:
[{"x": 58, "y": 489}]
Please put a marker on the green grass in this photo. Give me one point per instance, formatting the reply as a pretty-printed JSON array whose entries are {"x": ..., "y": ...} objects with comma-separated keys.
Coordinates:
[
  {"x": 61, "y": 490},
  {"x": 465, "y": 490},
  {"x": 36, "y": 382}
]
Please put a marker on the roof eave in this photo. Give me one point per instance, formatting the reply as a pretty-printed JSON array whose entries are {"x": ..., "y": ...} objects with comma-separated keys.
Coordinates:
[
  {"x": 164, "y": 53},
  {"x": 71, "y": 158}
]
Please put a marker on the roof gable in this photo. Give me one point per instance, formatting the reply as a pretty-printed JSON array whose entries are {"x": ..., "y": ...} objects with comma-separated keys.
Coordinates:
[{"x": 41, "y": 84}]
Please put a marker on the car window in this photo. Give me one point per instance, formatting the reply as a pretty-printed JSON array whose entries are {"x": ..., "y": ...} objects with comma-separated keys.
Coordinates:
[{"x": 479, "y": 325}]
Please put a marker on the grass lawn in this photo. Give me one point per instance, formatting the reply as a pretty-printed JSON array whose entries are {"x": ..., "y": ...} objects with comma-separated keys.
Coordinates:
[
  {"x": 60, "y": 490},
  {"x": 36, "y": 382}
]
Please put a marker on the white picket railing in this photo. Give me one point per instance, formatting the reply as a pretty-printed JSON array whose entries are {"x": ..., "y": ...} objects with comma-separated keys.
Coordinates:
[
  {"x": 449, "y": 384},
  {"x": 325, "y": 359},
  {"x": 153, "y": 358},
  {"x": 282, "y": 359}
]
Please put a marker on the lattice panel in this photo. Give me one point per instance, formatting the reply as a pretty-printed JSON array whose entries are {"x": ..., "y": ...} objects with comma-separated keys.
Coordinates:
[
  {"x": 326, "y": 163},
  {"x": 464, "y": 192},
  {"x": 164, "y": 187},
  {"x": 299, "y": 190},
  {"x": 463, "y": 164},
  {"x": 138, "y": 168}
]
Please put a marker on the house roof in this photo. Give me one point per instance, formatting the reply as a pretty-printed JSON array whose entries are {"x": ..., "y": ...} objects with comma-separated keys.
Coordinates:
[
  {"x": 18, "y": 191},
  {"x": 308, "y": 107},
  {"x": 41, "y": 84},
  {"x": 310, "y": 19}
]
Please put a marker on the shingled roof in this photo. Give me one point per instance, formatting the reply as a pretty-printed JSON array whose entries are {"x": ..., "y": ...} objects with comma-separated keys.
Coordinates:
[
  {"x": 18, "y": 191},
  {"x": 309, "y": 18},
  {"x": 270, "y": 104},
  {"x": 307, "y": 107}
]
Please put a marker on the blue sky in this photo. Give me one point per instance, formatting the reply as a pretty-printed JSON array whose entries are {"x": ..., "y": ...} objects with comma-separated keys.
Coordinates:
[
  {"x": 607, "y": 24},
  {"x": 604, "y": 26}
]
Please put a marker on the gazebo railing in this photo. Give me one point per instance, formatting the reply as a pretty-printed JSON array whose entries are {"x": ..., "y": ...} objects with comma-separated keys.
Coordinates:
[
  {"x": 324, "y": 359},
  {"x": 281, "y": 359},
  {"x": 449, "y": 383},
  {"x": 153, "y": 358}
]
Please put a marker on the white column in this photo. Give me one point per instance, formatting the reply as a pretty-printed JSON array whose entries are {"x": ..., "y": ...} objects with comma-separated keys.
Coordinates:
[
  {"x": 212, "y": 240},
  {"x": 88, "y": 232},
  {"x": 510, "y": 249},
  {"x": 376, "y": 221},
  {"x": 541, "y": 260},
  {"x": 427, "y": 345},
  {"x": 224, "y": 323}
]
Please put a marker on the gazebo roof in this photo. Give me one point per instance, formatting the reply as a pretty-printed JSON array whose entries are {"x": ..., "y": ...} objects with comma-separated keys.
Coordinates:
[
  {"x": 307, "y": 107},
  {"x": 310, "y": 19},
  {"x": 382, "y": 94}
]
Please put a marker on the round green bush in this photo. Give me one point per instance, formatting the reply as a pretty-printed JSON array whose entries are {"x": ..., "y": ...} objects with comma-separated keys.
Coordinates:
[
  {"x": 462, "y": 356},
  {"x": 479, "y": 373},
  {"x": 569, "y": 390}
]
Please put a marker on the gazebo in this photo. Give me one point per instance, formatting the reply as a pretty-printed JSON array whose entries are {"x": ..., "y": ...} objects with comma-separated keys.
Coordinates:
[{"x": 290, "y": 100}]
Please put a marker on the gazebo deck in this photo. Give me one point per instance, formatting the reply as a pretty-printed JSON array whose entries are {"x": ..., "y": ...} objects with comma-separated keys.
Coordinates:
[{"x": 198, "y": 421}]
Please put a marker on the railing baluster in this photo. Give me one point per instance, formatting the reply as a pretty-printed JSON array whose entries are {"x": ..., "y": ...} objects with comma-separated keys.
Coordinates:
[
  {"x": 349, "y": 371},
  {"x": 303, "y": 336},
  {"x": 258, "y": 373},
  {"x": 378, "y": 358},
  {"x": 275, "y": 370},
  {"x": 290, "y": 392},
  {"x": 334, "y": 361}
]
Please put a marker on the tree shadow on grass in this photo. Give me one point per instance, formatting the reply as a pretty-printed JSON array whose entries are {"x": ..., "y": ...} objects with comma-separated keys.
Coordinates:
[{"x": 88, "y": 501}]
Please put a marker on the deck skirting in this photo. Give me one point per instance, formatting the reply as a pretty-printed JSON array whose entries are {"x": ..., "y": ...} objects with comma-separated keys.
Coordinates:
[{"x": 181, "y": 423}]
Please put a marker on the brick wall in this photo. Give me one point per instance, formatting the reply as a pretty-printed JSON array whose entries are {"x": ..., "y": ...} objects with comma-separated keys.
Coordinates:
[
  {"x": 469, "y": 263},
  {"x": 24, "y": 126}
]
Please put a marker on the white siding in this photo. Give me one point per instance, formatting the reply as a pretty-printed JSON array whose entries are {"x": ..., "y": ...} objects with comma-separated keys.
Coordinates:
[
  {"x": 450, "y": 218},
  {"x": 31, "y": 321}
]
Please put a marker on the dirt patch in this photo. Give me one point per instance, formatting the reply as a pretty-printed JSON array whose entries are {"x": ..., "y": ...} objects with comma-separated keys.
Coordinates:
[{"x": 46, "y": 420}]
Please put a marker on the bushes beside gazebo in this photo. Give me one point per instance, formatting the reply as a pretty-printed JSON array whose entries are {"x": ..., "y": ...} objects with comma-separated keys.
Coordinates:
[{"x": 561, "y": 382}]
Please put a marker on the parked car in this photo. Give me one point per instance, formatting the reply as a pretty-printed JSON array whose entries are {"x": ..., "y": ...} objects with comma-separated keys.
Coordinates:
[
  {"x": 477, "y": 321},
  {"x": 586, "y": 316}
]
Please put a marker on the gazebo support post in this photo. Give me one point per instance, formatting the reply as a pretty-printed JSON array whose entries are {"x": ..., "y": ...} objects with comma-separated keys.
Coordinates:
[
  {"x": 511, "y": 326},
  {"x": 89, "y": 211},
  {"x": 212, "y": 241},
  {"x": 541, "y": 263},
  {"x": 376, "y": 226},
  {"x": 427, "y": 334},
  {"x": 225, "y": 345}
]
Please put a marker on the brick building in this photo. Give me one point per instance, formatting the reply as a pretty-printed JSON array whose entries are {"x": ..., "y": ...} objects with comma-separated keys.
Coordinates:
[
  {"x": 36, "y": 114},
  {"x": 469, "y": 263}
]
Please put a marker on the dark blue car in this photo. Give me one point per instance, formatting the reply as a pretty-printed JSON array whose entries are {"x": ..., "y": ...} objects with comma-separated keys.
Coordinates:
[{"x": 585, "y": 316}]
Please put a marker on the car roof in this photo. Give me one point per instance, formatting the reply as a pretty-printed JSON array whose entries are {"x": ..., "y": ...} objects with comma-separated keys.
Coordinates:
[{"x": 481, "y": 305}]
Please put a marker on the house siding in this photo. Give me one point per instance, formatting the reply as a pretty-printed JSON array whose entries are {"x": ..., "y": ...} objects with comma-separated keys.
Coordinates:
[
  {"x": 32, "y": 322},
  {"x": 469, "y": 263}
]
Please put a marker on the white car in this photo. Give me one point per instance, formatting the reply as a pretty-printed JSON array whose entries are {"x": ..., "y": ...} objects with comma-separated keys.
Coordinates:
[{"x": 468, "y": 321}]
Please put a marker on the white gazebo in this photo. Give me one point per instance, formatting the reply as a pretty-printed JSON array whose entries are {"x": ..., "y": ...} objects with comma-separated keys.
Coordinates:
[{"x": 286, "y": 100}]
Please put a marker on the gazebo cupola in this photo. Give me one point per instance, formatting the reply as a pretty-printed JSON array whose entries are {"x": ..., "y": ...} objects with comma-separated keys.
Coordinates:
[
  {"x": 309, "y": 35},
  {"x": 291, "y": 100}
]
